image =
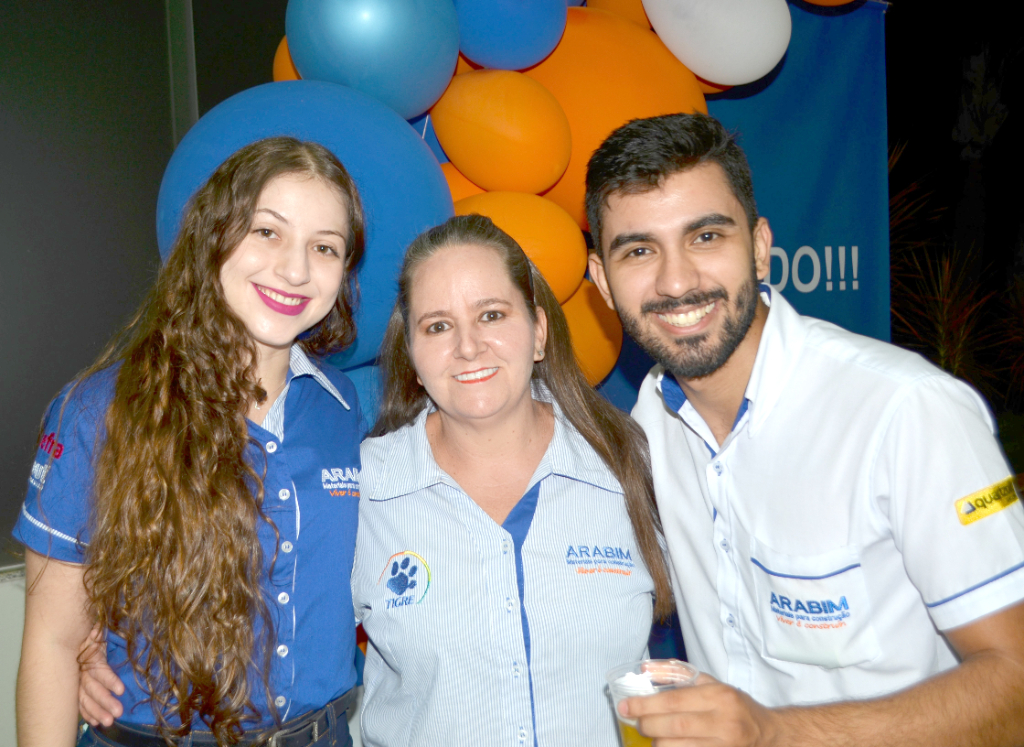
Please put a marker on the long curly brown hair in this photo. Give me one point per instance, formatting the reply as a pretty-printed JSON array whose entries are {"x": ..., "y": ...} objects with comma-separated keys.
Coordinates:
[
  {"x": 616, "y": 437},
  {"x": 174, "y": 566}
]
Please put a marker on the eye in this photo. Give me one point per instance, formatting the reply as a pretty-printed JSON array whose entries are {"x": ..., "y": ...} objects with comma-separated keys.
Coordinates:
[
  {"x": 265, "y": 233},
  {"x": 326, "y": 249},
  {"x": 706, "y": 236},
  {"x": 492, "y": 316},
  {"x": 638, "y": 251},
  {"x": 437, "y": 328}
]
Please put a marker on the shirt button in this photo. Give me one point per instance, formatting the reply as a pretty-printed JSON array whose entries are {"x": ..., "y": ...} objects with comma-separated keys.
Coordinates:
[
  {"x": 515, "y": 670},
  {"x": 504, "y": 547},
  {"x": 271, "y": 447},
  {"x": 286, "y": 546},
  {"x": 522, "y": 735},
  {"x": 509, "y": 605},
  {"x": 731, "y": 620},
  {"x": 282, "y": 651},
  {"x": 718, "y": 468},
  {"x": 725, "y": 545},
  {"x": 279, "y": 701},
  {"x": 284, "y": 493},
  {"x": 283, "y": 597}
]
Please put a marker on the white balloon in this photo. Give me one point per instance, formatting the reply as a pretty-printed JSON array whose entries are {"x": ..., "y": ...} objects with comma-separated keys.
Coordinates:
[{"x": 729, "y": 42}]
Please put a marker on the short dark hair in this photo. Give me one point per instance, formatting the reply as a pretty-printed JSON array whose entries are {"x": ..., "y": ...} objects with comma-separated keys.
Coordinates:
[{"x": 638, "y": 156}]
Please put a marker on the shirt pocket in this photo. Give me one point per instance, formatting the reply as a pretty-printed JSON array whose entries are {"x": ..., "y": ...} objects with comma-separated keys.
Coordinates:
[{"x": 814, "y": 609}]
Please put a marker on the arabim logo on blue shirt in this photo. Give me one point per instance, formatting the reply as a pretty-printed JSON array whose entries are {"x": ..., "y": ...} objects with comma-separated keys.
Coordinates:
[{"x": 341, "y": 481}]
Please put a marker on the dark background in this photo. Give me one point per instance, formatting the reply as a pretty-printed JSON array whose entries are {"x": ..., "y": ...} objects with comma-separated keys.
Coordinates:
[{"x": 85, "y": 133}]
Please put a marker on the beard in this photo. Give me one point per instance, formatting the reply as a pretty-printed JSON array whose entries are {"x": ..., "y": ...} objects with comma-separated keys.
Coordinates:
[{"x": 697, "y": 356}]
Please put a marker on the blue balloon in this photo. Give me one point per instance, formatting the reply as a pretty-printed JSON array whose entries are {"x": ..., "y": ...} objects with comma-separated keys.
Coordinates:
[
  {"x": 401, "y": 52},
  {"x": 509, "y": 34},
  {"x": 401, "y": 184}
]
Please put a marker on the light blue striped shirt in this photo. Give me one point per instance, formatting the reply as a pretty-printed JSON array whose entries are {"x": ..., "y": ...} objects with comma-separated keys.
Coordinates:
[{"x": 483, "y": 634}]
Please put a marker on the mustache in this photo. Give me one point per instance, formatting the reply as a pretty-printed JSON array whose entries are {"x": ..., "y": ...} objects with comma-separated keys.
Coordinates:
[{"x": 693, "y": 298}]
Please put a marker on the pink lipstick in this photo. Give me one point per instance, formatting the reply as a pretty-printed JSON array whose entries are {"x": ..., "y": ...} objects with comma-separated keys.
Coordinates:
[{"x": 289, "y": 309}]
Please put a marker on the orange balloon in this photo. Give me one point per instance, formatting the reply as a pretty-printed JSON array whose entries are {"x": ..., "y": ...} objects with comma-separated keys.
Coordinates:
[
  {"x": 458, "y": 184},
  {"x": 631, "y": 10},
  {"x": 708, "y": 87},
  {"x": 548, "y": 235},
  {"x": 604, "y": 72},
  {"x": 284, "y": 68},
  {"x": 596, "y": 332},
  {"x": 503, "y": 130},
  {"x": 464, "y": 65}
]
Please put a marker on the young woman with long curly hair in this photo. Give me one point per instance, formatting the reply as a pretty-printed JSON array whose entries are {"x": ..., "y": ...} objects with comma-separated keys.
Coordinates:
[{"x": 196, "y": 489}]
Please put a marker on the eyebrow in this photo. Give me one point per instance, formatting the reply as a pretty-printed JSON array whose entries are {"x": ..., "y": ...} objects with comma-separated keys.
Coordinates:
[
  {"x": 479, "y": 304},
  {"x": 630, "y": 238},
  {"x": 284, "y": 220},
  {"x": 712, "y": 219}
]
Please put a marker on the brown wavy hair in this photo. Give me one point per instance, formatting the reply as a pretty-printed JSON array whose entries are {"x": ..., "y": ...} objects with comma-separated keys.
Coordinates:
[
  {"x": 174, "y": 565},
  {"x": 616, "y": 437}
]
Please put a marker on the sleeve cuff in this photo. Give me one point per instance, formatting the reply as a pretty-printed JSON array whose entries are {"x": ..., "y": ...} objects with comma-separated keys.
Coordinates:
[
  {"x": 47, "y": 541},
  {"x": 980, "y": 600}
]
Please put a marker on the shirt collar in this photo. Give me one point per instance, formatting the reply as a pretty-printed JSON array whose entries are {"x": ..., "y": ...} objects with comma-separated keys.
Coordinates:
[
  {"x": 781, "y": 339},
  {"x": 299, "y": 364},
  {"x": 409, "y": 464}
]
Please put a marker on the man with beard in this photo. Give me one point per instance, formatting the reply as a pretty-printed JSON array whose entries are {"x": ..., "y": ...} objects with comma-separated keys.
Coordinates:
[{"x": 846, "y": 539}]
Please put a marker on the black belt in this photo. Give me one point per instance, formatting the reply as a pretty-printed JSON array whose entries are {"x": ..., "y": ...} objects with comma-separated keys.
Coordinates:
[{"x": 309, "y": 729}]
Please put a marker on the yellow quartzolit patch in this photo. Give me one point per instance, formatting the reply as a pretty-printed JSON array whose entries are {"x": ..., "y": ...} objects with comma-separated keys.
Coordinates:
[{"x": 986, "y": 502}]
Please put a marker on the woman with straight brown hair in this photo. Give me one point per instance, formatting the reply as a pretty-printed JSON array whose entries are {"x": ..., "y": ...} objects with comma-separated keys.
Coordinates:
[
  {"x": 195, "y": 492},
  {"x": 508, "y": 551}
]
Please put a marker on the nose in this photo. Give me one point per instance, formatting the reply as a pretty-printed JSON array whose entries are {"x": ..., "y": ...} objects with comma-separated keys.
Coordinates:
[
  {"x": 468, "y": 342},
  {"x": 293, "y": 264},
  {"x": 677, "y": 274}
]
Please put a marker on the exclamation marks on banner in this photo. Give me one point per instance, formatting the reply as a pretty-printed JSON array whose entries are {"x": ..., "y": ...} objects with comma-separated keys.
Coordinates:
[{"x": 854, "y": 256}]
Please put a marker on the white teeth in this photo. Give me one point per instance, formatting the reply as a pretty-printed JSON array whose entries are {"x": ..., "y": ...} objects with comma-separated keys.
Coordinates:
[
  {"x": 688, "y": 319},
  {"x": 286, "y": 300},
  {"x": 475, "y": 375}
]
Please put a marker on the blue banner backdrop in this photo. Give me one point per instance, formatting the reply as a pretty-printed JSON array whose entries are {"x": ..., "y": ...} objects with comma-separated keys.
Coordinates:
[{"x": 814, "y": 131}]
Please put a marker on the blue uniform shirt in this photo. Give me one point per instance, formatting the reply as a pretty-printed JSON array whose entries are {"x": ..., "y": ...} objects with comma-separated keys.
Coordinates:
[
  {"x": 487, "y": 634},
  {"x": 311, "y": 495}
]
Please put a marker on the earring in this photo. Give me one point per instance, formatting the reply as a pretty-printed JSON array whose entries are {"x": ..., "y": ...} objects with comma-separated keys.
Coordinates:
[{"x": 538, "y": 355}]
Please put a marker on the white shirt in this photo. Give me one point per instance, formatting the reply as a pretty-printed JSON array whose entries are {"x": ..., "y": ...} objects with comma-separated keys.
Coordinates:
[
  {"x": 483, "y": 634},
  {"x": 815, "y": 552}
]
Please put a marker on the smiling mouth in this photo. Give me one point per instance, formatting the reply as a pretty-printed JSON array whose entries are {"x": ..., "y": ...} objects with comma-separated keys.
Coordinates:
[
  {"x": 476, "y": 376},
  {"x": 287, "y": 300},
  {"x": 689, "y": 319}
]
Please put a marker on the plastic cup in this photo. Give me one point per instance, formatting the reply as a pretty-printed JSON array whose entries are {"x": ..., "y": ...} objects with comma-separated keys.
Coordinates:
[{"x": 647, "y": 677}]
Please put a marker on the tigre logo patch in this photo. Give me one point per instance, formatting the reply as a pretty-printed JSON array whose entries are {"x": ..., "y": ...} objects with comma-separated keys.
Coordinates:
[{"x": 986, "y": 502}]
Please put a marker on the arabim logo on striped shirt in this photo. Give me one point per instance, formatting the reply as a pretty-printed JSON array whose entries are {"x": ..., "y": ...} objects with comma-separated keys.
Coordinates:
[{"x": 600, "y": 559}]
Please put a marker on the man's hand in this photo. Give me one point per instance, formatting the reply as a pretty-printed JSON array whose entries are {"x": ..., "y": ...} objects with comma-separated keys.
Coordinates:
[
  {"x": 99, "y": 684},
  {"x": 708, "y": 711}
]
